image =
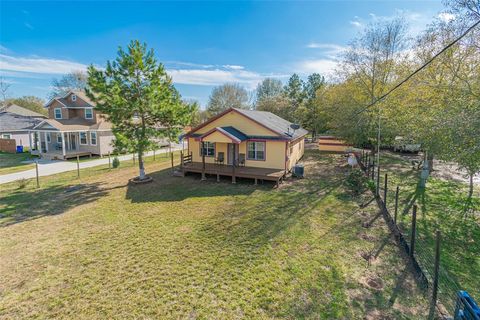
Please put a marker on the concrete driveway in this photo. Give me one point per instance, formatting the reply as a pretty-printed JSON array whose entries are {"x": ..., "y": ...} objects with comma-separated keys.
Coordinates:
[{"x": 49, "y": 167}]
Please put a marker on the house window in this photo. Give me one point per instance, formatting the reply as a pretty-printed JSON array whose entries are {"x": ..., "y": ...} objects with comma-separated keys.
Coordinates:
[
  {"x": 74, "y": 97},
  {"x": 93, "y": 138},
  {"x": 59, "y": 138},
  {"x": 256, "y": 150},
  {"x": 58, "y": 113},
  {"x": 49, "y": 137},
  {"x": 88, "y": 113},
  {"x": 6, "y": 136},
  {"x": 208, "y": 149},
  {"x": 83, "y": 138}
]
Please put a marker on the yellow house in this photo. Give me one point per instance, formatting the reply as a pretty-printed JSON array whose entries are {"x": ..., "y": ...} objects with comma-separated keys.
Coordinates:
[{"x": 244, "y": 143}]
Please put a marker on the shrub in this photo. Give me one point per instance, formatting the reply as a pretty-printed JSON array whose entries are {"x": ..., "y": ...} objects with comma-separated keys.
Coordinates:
[
  {"x": 356, "y": 181},
  {"x": 22, "y": 183},
  {"x": 115, "y": 162}
]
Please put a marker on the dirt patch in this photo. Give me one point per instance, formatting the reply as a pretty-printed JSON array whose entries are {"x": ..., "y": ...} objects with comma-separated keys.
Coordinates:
[{"x": 373, "y": 282}]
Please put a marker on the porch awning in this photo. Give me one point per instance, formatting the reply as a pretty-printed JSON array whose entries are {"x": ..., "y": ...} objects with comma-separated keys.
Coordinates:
[{"x": 224, "y": 134}]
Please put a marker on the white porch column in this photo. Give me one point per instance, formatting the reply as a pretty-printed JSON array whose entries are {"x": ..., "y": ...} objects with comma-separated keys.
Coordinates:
[
  {"x": 68, "y": 140},
  {"x": 30, "y": 140},
  {"x": 39, "y": 143},
  {"x": 63, "y": 144},
  {"x": 46, "y": 141}
]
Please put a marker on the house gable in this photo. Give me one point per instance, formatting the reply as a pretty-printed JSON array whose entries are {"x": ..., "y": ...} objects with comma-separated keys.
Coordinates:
[{"x": 238, "y": 121}]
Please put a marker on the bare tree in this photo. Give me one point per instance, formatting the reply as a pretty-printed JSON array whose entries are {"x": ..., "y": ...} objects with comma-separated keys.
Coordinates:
[
  {"x": 230, "y": 95},
  {"x": 76, "y": 80},
  {"x": 4, "y": 88}
]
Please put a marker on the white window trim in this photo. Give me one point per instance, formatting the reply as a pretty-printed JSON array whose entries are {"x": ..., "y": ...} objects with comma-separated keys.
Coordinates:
[
  {"x": 206, "y": 147},
  {"x": 85, "y": 113},
  {"x": 49, "y": 137},
  {"x": 74, "y": 97},
  {"x": 80, "y": 138},
  {"x": 96, "y": 139},
  {"x": 256, "y": 158},
  {"x": 59, "y": 137},
  {"x": 55, "y": 113}
]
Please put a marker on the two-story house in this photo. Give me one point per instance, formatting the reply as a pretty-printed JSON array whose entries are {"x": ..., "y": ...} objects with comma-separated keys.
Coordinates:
[{"x": 73, "y": 128}]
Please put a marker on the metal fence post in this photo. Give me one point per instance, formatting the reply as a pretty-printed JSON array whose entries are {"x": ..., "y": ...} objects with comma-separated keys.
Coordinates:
[
  {"x": 414, "y": 230},
  {"x": 78, "y": 166},
  {"x": 385, "y": 190},
  {"x": 373, "y": 170},
  {"x": 433, "y": 303},
  {"x": 36, "y": 173},
  {"x": 378, "y": 179},
  {"x": 396, "y": 204},
  {"x": 153, "y": 154},
  {"x": 109, "y": 161},
  {"x": 133, "y": 158}
]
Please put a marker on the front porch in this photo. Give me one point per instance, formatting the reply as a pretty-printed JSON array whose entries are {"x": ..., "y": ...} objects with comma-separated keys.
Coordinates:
[
  {"x": 218, "y": 170},
  {"x": 60, "y": 145}
]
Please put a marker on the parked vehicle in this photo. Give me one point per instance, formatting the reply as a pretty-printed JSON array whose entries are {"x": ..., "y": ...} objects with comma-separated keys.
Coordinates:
[{"x": 402, "y": 144}]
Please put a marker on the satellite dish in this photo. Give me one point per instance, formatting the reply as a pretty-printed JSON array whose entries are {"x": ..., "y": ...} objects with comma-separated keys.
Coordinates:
[{"x": 295, "y": 126}]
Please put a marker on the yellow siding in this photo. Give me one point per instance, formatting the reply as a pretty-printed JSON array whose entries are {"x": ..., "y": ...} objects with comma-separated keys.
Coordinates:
[
  {"x": 217, "y": 137},
  {"x": 295, "y": 152},
  {"x": 275, "y": 153},
  {"x": 240, "y": 122}
]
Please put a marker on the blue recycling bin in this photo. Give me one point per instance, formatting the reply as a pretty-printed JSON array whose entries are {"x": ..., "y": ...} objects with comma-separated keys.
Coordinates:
[{"x": 19, "y": 149}]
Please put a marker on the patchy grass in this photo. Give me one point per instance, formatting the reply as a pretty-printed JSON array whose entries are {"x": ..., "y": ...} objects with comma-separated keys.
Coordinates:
[
  {"x": 12, "y": 162},
  {"x": 441, "y": 206},
  {"x": 181, "y": 248}
]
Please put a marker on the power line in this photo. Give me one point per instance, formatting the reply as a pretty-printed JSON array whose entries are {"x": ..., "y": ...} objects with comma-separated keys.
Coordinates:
[{"x": 420, "y": 68}]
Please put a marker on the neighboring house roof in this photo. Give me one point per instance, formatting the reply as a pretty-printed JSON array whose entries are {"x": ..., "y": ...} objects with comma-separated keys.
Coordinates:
[
  {"x": 266, "y": 119},
  {"x": 13, "y": 108},
  {"x": 80, "y": 94},
  {"x": 15, "y": 122},
  {"x": 74, "y": 124}
]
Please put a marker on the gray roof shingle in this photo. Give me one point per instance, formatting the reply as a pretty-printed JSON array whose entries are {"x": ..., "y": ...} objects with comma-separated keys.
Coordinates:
[
  {"x": 274, "y": 122},
  {"x": 11, "y": 121}
]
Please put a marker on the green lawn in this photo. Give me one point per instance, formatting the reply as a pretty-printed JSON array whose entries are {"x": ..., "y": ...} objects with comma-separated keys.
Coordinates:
[
  {"x": 182, "y": 248},
  {"x": 12, "y": 162},
  {"x": 440, "y": 206}
]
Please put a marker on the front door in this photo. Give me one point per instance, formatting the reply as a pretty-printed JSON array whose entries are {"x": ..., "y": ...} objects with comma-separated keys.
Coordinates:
[
  {"x": 231, "y": 150},
  {"x": 73, "y": 142}
]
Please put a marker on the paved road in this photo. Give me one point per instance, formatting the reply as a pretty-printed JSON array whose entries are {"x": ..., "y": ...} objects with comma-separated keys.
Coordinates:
[{"x": 46, "y": 168}]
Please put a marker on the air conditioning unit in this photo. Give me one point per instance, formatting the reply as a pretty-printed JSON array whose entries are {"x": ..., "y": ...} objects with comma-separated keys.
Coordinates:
[{"x": 298, "y": 170}]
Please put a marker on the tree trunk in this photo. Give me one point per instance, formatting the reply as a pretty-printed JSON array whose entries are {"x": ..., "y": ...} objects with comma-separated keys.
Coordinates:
[
  {"x": 470, "y": 190},
  {"x": 141, "y": 167},
  {"x": 430, "y": 162}
]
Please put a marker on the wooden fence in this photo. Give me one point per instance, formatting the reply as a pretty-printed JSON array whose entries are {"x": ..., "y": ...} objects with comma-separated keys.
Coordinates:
[{"x": 8, "y": 145}]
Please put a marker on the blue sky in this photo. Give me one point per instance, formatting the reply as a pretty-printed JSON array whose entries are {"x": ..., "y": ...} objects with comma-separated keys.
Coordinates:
[{"x": 202, "y": 44}]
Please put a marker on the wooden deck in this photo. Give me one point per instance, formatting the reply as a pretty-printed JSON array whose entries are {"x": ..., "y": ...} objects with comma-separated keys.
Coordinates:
[{"x": 237, "y": 172}]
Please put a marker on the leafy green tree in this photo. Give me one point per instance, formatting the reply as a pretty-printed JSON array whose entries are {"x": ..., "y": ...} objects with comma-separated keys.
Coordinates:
[
  {"x": 138, "y": 97},
  {"x": 296, "y": 95},
  {"x": 29, "y": 102},
  {"x": 269, "y": 88},
  {"x": 229, "y": 95},
  {"x": 309, "y": 112}
]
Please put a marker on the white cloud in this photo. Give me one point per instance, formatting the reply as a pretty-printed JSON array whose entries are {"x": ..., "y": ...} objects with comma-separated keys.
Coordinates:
[
  {"x": 356, "y": 24},
  {"x": 38, "y": 65},
  {"x": 29, "y": 26},
  {"x": 181, "y": 72},
  {"x": 218, "y": 76},
  {"x": 322, "y": 66},
  {"x": 329, "y": 50},
  {"x": 446, "y": 17},
  {"x": 233, "y": 67}
]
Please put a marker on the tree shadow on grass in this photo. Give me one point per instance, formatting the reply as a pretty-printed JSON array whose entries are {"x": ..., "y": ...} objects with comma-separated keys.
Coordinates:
[
  {"x": 20, "y": 206},
  {"x": 165, "y": 187}
]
